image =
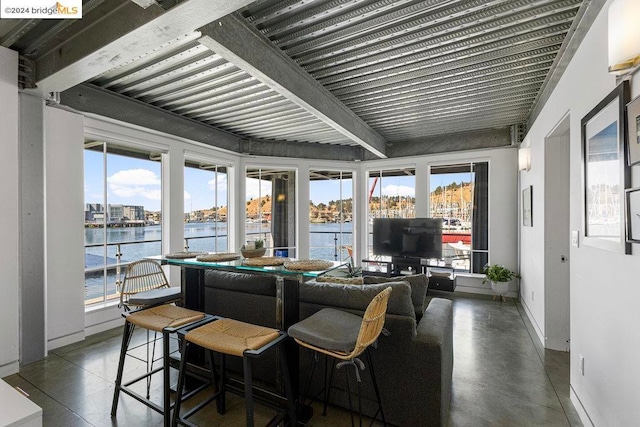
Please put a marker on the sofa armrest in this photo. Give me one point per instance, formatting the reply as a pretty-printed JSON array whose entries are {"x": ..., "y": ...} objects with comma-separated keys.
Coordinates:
[{"x": 434, "y": 341}]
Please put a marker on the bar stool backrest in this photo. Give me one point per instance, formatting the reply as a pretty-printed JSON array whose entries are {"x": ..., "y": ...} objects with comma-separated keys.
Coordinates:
[
  {"x": 140, "y": 276},
  {"x": 372, "y": 322}
]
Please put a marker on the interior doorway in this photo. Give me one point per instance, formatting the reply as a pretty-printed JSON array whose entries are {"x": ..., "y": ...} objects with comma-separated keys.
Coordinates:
[{"x": 557, "y": 237}]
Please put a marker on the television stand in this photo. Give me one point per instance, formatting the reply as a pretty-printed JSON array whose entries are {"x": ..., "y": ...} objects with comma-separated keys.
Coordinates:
[
  {"x": 442, "y": 277},
  {"x": 401, "y": 265}
]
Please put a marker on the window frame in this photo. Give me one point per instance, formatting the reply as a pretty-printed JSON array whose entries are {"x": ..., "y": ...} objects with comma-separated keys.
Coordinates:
[
  {"x": 339, "y": 254},
  {"x": 216, "y": 163},
  {"x": 135, "y": 150}
]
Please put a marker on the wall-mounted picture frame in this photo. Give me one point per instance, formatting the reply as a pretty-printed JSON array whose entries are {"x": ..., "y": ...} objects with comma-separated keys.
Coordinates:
[
  {"x": 633, "y": 214},
  {"x": 605, "y": 174},
  {"x": 633, "y": 130},
  {"x": 527, "y": 212}
]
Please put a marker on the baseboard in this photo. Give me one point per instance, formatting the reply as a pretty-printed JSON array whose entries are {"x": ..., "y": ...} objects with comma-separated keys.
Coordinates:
[
  {"x": 533, "y": 322},
  {"x": 482, "y": 291},
  {"x": 102, "y": 318},
  {"x": 65, "y": 340},
  {"x": 582, "y": 412},
  {"x": 104, "y": 326},
  {"x": 9, "y": 369}
]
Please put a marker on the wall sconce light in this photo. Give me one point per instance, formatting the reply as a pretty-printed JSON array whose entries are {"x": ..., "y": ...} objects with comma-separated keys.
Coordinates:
[
  {"x": 524, "y": 159},
  {"x": 624, "y": 36}
]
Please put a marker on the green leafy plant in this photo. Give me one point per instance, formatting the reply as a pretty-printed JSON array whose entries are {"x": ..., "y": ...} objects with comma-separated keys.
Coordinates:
[
  {"x": 498, "y": 273},
  {"x": 352, "y": 270},
  {"x": 258, "y": 244}
]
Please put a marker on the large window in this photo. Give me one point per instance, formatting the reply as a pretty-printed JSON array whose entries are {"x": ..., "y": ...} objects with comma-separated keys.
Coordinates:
[
  {"x": 270, "y": 209},
  {"x": 205, "y": 207},
  {"x": 122, "y": 214},
  {"x": 391, "y": 194},
  {"x": 330, "y": 214},
  {"x": 459, "y": 195}
]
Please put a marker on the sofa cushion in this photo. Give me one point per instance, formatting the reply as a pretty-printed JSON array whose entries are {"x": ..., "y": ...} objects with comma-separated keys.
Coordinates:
[
  {"x": 358, "y": 297},
  {"x": 329, "y": 329},
  {"x": 419, "y": 284},
  {"x": 240, "y": 282}
]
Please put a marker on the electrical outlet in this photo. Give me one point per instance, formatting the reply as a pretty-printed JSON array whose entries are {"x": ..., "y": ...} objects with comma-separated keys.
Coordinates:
[
  {"x": 533, "y": 296},
  {"x": 581, "y": 363}
]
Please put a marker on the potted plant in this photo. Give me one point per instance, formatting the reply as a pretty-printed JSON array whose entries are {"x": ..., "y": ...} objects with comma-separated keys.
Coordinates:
[
  {"x": 499, "y": 276},
  {"x": 254, "y": 249}
]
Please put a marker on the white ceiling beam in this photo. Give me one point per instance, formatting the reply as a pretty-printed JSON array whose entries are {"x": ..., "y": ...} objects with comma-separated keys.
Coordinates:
[
  {"x": 129, "y": 32},
  {"x": 234, "y": 39}
]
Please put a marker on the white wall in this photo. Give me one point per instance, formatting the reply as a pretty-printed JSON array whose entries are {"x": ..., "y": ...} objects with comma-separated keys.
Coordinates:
[
  {"x": 9, "y": 217},
  {"x": 64, "y": 221},
  {"x": 604, "y": 285}
]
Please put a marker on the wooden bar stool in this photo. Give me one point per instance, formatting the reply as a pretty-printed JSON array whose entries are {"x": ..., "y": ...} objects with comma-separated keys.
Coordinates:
[
  {"x": 344, "y": 336},
  {"x": 234, "y": 338},
  {"x": 164, "y": 319}
]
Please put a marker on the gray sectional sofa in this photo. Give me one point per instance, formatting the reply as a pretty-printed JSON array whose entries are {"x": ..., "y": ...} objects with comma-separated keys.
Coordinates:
[{"x": 414, "y": 363}]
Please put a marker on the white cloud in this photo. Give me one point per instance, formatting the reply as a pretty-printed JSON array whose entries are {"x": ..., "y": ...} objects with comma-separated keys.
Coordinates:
[
  {"x": 135, "y": 183},
  {"x": 187, "y": 196},
  {"x": 398, "y": 190},
  {"x": 222, "y": 183},
  {"x": 253, "y": 185}
]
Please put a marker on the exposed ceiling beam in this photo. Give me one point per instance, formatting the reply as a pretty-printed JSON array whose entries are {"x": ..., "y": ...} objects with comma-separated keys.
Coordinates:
[
  {"x": 238, "y": 42},
  {"x": 129, "y": 32},
  {"x": 91, "y": 99},
  {"x": 302, "y": 150},
  {"x": 460, "y": 141}
]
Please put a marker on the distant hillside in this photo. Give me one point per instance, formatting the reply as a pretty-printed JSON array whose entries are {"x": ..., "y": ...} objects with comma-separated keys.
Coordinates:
[{"x": 262, "y": 204}]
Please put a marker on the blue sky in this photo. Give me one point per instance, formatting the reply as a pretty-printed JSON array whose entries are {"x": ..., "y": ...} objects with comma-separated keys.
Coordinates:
[
  {"x": 447, "y": 178},
  {"x": 133, "y": 181}
]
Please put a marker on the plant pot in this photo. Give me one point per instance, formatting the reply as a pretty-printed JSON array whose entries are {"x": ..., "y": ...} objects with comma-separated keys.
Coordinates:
[
  {"x": 500, "y": 289},
  {"x": 253, "y": 253}
]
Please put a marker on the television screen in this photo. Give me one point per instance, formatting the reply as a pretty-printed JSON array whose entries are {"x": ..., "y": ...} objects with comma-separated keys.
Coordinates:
[{"x": 408, "y": 237}]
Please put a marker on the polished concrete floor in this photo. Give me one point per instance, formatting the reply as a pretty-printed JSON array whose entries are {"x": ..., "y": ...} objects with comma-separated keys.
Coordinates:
[{"x": 502, "y": 377}]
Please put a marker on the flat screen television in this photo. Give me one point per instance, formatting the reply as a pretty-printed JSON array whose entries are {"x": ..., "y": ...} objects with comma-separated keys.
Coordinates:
[{"x": 408, "y": 237}]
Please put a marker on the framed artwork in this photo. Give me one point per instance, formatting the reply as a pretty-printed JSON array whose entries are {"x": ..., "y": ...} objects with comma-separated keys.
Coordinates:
[
  {"x": 527, "y": 213},
  {"x": 605, "y": 174},
  {"x": 633, "y": 215},
  {"x": 633, "y": 125}
]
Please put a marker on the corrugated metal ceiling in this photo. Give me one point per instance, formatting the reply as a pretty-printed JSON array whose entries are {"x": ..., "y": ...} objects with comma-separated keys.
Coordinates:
[
  {"x": 409, "y": 69},
  {"x": 188, "y": 79},
  {"x": 412, "y": 69}
]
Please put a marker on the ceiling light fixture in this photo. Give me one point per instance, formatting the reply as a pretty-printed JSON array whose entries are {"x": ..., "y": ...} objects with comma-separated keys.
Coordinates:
[{"x": 624, "y": 36}]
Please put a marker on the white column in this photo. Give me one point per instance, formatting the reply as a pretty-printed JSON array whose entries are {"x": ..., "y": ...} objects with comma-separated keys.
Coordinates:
[
  {"x": 9, "y": 206},
  {"x": 302, "y": 217},
  {"x": 238, "y": 210},
  {"x": 173, "y": 206},
  {"x": 33, "y": 338},
  {"x": 64, "y": 226},
  {"x": 361, "y": 200}
]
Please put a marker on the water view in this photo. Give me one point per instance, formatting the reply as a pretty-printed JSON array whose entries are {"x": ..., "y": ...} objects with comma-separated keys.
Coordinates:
[{"x": 134, "y": 243}]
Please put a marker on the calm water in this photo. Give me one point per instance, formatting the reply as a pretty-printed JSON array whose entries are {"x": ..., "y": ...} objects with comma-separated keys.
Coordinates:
[{"x": 322, "y": 245}]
